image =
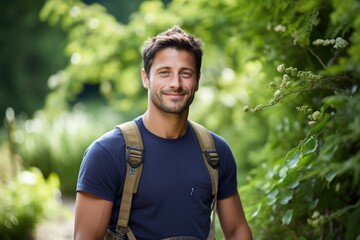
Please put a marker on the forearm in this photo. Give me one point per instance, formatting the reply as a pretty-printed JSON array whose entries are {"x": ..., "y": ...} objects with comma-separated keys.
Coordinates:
[{"x": 232, "y": 219}]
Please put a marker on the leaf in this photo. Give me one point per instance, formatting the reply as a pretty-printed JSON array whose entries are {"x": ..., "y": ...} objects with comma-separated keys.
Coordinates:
[
  {"x": 286, "y": 198},
  {"x": 272, "y": 196},
  {"x": 291, "y": 180},
  {"x": 309, "y": 146},
  {"x": 293, "y": 184},
  {"x": 319, "y": 127},
  {"x": 257, "y": 210},
  {"x": 286, "y": 219},
  {"x": 305, "y": 162},
  {"x": 329, "y": 150},
  {"x": 330, "y": 176},
  {"x": 335, "y": 101},
  {"x": 293, "y": 158}
]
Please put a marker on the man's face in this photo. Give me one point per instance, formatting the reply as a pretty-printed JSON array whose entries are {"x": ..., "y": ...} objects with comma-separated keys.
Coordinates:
[{"x": 173, "y": 80}]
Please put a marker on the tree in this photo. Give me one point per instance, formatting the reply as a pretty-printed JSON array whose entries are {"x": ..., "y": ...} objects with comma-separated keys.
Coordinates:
[
  {"x": 30, "y": 52},
  {"x": 303, "y": 150}
]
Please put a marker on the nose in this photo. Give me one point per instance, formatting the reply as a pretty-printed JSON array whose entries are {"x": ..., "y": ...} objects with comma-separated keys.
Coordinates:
[{"x": 175, "y": 81}]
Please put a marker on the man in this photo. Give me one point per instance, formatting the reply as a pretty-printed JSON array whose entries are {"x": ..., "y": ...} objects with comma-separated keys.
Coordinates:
[{"x": 174, "y": 193}]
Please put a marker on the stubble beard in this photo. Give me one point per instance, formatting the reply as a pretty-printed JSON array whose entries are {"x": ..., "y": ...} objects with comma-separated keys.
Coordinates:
[{"x": 176, "y": 108}]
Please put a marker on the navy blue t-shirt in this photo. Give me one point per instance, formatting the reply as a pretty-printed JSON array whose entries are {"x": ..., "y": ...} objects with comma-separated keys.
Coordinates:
[{"x": 174, "y": 193}]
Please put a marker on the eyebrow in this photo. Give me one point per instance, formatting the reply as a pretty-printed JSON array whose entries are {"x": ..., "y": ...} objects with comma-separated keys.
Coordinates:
[{"x": 181, "y": 69}]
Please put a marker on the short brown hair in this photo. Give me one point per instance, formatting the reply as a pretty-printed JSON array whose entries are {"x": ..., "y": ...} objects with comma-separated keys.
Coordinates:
[{"x": 176, "y": 38}]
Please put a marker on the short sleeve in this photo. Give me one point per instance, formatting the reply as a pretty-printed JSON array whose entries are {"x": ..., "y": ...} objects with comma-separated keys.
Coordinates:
[
  {"x": 227, "y": 169},
  {"x": 101, "y": 172}
]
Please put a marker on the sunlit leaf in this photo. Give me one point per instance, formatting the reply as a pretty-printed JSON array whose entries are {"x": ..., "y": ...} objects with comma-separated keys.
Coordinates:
[
  {"x": 257, "y": 210},
  {"x": 310, "y": 146},
  {"x": 293, "y": 158},
  {"x": 286, "y": 198},
  {"x": 335, "y": 101},
  {"x": 286, "y": 219},
  {"x": 330, "y": 176},
  {"x": 272, "y": 196},
  {"x": 305, "y": 161},
  {"x": 291, "y": 180},
  {"x": 293, "y": 184},
  {"x": 282, "y": 172}
]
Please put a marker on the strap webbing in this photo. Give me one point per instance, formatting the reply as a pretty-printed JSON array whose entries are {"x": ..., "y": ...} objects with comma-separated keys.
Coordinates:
[
  {"x": 209, "y": 153},
  {"x": 134, "y": 158},
  {"x": 211, "y": 160}
]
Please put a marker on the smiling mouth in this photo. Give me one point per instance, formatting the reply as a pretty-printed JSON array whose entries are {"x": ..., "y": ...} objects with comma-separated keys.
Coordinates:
[{"x": 175, "y": 94}]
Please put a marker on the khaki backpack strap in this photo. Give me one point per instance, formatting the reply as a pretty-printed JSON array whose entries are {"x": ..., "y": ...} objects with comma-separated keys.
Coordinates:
[
  {"x": 211, "y": 160},
  {"x": 134, "y": 159},
  {"x": 209, "y": 152}
]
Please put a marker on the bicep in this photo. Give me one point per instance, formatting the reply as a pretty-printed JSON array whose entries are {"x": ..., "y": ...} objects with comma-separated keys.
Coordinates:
[
  {"x": 232, "y": 218},
  {"x": 92, "y": 216}
]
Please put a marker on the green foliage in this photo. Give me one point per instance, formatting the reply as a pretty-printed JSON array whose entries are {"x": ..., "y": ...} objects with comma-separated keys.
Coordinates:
[
  {"x": 58, "y": 146},
  {"x": 312, "y": 192},
  {"x": 25, "y": 201},
  {"x": 25, "y": 62},
  {"x": 95, "y": 46},
  {"x": 317, "y": 181},
  {"x": 304, "y": 150}
]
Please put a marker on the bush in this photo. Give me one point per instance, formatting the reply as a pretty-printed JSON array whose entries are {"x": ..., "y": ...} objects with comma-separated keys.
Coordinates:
[
  {"x": 58, "y": 145},
  {"x": 25, "y": 201},
  {"x": 312, "y": 192}
]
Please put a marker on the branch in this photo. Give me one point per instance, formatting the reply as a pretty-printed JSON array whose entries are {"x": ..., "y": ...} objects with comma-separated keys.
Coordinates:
[{"x": 317, "y": 57}]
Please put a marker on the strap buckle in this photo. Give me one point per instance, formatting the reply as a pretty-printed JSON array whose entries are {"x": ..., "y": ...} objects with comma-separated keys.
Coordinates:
[
  {"x": 212, "y": 158},
  {"x": 134, "y": 156}
]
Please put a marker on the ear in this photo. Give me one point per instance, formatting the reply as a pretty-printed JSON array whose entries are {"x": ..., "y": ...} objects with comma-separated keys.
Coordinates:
[{"x": 145, "y": 79}]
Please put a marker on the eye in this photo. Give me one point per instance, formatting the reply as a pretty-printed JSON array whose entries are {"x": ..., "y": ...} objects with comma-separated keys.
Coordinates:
[
  {"x": 164, "y": 73},
  {"x": 186, "y": 74}
]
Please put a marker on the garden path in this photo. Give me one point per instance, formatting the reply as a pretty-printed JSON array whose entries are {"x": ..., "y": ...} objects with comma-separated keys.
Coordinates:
[{"x": 58, "y": 229}]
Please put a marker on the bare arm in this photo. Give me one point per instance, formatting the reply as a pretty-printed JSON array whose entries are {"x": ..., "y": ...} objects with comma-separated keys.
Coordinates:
[
  {"x": 232, "y": 218},
  {"x": 92, "y": 216}
]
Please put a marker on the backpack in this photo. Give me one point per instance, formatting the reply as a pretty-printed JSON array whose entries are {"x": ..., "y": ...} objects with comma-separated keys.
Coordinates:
[{"x": 134, "y": 159}]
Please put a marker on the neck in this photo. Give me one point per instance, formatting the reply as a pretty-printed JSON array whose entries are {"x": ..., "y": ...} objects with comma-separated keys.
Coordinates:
[{"x": 166, "y": 125}]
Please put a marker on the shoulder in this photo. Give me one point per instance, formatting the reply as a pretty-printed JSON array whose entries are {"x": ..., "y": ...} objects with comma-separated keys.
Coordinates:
[
  {"x": 227, "y": 168},
  {"x": 109, "y": 143},
  {"x": 105, "y": 151},
  {"x": 220, "y": 142},
  {"x": 112, "y": 141},
  {"x": 102, "y": 167},
  {"x": 224, "y": 151},
  {"x": 109, "y": 138}
]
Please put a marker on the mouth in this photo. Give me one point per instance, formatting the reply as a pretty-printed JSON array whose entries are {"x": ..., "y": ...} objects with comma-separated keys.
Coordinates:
[{"x": 175, "y": 95}]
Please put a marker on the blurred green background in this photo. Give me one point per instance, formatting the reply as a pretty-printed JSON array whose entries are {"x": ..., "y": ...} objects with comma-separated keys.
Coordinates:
[{"x": 279, "y": 82}]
